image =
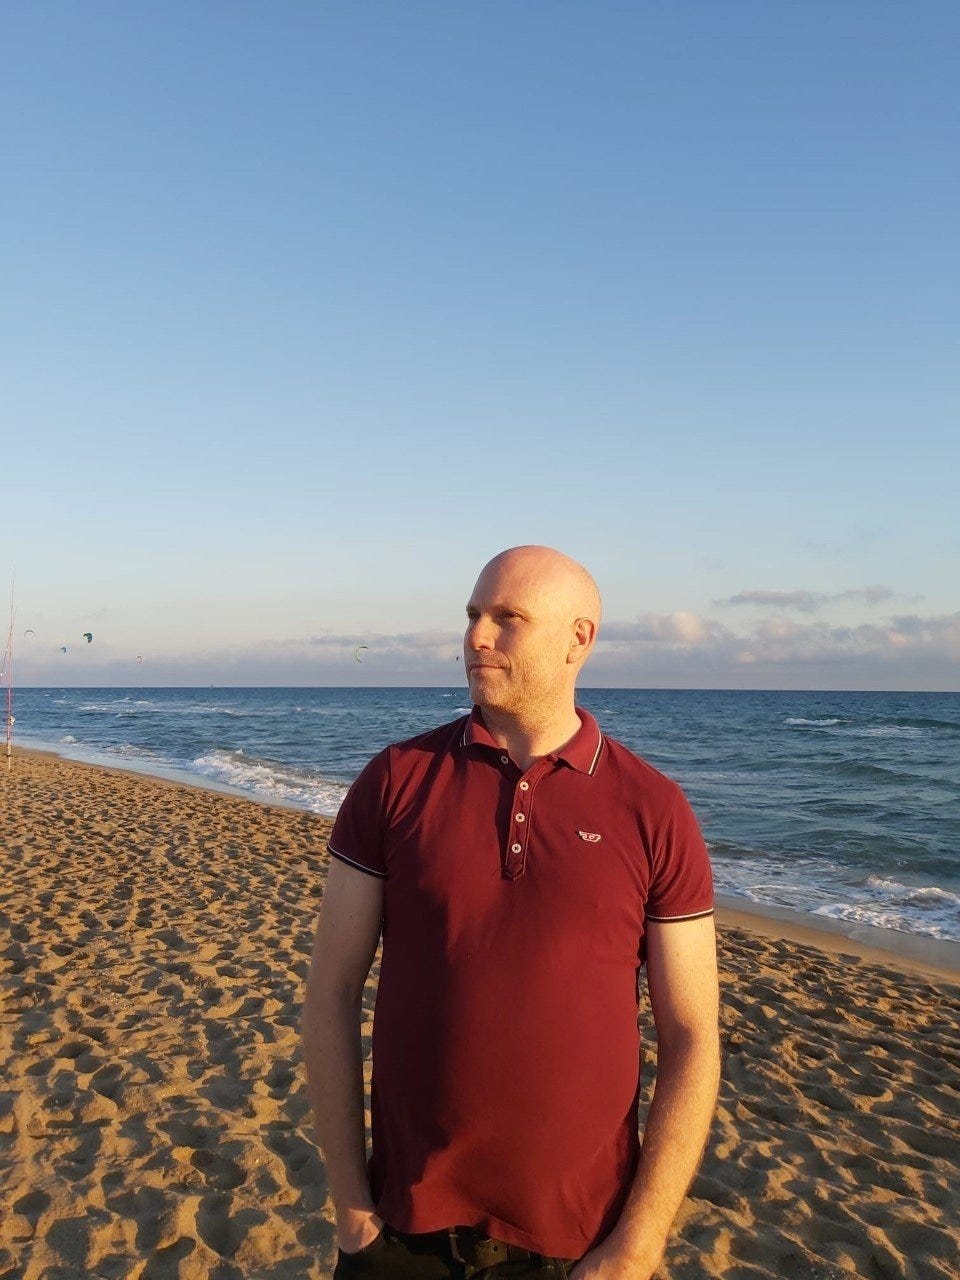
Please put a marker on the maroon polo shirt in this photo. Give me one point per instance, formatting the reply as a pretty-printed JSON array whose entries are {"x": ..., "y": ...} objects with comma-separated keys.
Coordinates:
[{"x": 506, "y": 1052}]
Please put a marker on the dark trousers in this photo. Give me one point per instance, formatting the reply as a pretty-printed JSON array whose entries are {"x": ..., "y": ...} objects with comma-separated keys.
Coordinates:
[{"x": 395, "y": 1255}]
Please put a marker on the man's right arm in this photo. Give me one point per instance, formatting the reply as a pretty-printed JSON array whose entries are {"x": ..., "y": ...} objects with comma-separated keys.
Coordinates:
[{"x": 346, "y": 941}]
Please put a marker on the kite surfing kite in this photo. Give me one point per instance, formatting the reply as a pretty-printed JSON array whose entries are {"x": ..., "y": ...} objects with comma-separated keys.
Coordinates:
[
  {"x": 88, "y": 636},
  {"x": 356, "y": 652}
]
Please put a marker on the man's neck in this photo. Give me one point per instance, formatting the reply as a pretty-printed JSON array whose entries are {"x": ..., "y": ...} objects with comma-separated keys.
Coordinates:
[{"x": 528, "y": 741}]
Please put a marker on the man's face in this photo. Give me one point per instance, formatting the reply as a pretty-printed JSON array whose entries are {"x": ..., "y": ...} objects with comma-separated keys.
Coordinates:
[{"x": 517, "y": 639}]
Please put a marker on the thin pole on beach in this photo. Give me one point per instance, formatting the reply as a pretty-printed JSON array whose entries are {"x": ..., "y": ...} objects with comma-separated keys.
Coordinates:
[{"x": 8, "y": 672}]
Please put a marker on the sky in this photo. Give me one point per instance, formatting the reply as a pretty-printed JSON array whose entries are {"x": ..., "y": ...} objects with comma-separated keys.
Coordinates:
[{"x": 309, "y": 309}]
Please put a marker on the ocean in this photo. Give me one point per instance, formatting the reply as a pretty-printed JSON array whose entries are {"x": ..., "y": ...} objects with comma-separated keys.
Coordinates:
[{"x": 843, "y": 806}]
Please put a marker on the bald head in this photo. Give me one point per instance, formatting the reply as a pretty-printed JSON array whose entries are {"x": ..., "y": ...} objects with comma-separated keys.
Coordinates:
[{"x": 565, "y": 587}]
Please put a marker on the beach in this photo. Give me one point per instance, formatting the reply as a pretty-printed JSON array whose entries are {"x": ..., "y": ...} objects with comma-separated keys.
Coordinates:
[{"x": 154, "y": 1121}]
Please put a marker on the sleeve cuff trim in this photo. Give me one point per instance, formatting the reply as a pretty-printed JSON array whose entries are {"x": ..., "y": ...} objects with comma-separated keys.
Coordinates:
[
  {"x": 696, "y": 915},
  {"x": 342, "y": 857}
]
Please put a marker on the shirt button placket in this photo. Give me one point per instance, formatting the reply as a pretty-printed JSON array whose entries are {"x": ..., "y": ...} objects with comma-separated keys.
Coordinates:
[{"x": 516, "y": 855}]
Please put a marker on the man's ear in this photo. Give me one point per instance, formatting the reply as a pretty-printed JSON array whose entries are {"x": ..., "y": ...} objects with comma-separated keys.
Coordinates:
[{"x": 584, "y": 634}]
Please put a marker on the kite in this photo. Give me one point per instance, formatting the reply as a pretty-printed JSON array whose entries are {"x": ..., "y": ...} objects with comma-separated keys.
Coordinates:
[
  {"x": 140, "y": 658},
  {"x": 88, "y": 636},
  {"x": 63, "y": 648},
  {"x": 356, "y": 652},
  {"x": 29, "y": 632}
]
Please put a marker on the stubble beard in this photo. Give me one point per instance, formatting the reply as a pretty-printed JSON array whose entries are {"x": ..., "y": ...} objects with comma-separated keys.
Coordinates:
[{"x": 529, "y": 702}]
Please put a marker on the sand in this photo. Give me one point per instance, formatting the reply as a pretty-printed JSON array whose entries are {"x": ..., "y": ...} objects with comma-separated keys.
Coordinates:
[{"x": 154, "y": 1121}]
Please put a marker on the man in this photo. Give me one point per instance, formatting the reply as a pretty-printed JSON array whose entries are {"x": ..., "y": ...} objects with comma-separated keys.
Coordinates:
[{"x": 524, "y": 867}]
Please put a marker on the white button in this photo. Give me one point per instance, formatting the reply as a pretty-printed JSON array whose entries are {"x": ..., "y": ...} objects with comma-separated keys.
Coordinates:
[
  {"x": 519, "y": 817},
  {"x": 524, "y": 786},
  {"x": 516, "y": 848},
  {"x": 504, "y": 759}
]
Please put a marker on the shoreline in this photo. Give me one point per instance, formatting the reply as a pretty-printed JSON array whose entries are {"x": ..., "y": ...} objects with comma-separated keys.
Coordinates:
[
  {"x": 911, "y": 953},
  {"x": 864, "y": 944}
]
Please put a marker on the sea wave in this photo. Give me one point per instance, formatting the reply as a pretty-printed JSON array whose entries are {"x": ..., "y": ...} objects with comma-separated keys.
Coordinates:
[
  {"x": 944, "y": 926},
  {"x": 272, "y": 780},
  {"x": 825, "y": 889},
  {"x": 814, "y": 723},
  {"x": 875, "y": 772},
  {"x": 887, "y": 904},
  {"x": 133, "y": 751},
  {"x": 882, "y": 731},
  {"x": 925, "y": 722},
  {"x": 926, "y": 895}
]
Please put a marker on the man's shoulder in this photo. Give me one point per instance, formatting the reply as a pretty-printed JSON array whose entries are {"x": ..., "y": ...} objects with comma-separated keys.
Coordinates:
[
  {"x": 399, "y": 762},
  {"x": 652, "y": 782},
  {"x": 436, "y": 741}
]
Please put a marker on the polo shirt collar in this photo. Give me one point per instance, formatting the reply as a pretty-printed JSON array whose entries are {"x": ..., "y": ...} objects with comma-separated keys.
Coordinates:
[{"x": 582, "y": 751}]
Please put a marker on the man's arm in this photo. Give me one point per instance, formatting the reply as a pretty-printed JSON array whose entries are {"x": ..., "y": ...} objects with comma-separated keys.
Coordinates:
[
  {"x": 346, "y": 941},
  {"x": 682, "y": 979}
]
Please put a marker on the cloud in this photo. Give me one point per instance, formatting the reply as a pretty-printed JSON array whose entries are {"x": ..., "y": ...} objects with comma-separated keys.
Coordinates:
[
  {"x": 417, "y": 645},
  {"x": 906, "y": 650},
  {"x": 670, "y": 629},
  {"x": 808, "y": 601},
  {"x": 680, "y": 649}
]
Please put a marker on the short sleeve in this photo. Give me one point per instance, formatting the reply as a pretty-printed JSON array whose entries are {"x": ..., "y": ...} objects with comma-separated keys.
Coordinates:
[
  {"x": 357, "y": 837},
  {"x": 681, "y": 887}
]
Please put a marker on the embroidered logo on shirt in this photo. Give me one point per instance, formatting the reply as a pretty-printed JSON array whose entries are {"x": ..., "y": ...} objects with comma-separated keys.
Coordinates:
[{"x": 591, "y": 837}]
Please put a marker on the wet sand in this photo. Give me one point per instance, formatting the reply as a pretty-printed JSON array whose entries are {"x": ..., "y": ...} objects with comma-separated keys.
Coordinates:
[{"x": 154, "y": 1122}]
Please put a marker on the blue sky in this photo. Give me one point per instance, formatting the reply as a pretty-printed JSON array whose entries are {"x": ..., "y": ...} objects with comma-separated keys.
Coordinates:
[{"x": 309, "y": 309}]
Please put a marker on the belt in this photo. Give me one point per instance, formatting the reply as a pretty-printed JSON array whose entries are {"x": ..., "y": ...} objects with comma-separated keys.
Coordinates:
[{"x": 477, "y": 1252}]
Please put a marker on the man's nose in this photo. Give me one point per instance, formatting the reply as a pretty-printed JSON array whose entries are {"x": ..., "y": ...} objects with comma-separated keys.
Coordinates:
[{"x": 479, "y": 635}]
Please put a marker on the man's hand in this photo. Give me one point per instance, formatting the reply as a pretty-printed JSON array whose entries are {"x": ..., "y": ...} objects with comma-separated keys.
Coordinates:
[
  {"x": 615, "y": 1259},
  {"x": 356, "y": 1229}
]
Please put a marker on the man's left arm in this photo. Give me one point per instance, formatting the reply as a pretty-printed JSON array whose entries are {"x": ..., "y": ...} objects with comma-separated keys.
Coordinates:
[{"x": 682, "y": 980}]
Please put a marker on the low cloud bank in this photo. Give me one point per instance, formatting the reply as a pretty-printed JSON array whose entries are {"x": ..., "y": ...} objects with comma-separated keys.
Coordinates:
[
  {"x": 679, "y": 649},
  {"x": 906, "y": 651},
  {"x": 808, "y": 601}
]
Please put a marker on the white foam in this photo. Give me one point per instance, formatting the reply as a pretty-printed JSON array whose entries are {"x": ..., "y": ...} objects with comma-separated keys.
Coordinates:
[
  {"x": 824, "y": 888},
  {"x": 272, "y": 781},
  {"x": 818, "y": 723},
  {"x": 919, "y": 895},
  {"x": 880, "y": 918},
  {"x": 119, "y": 707},
  {"x": 926, "y": 909},
  {"x": 130, "y": 749}
]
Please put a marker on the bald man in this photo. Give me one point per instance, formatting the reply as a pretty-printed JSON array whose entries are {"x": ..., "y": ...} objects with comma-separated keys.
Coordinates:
[{"x": 523, "y": 868}]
